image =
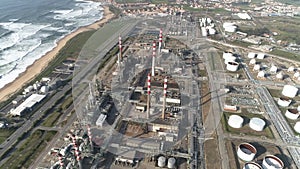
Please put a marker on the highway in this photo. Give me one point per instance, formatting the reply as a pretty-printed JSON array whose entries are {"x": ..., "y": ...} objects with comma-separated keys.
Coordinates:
[{"x": 5, "y": 146}]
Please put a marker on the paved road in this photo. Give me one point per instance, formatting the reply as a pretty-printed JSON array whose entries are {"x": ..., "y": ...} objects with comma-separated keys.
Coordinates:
[{"x": 29, "y": 123}]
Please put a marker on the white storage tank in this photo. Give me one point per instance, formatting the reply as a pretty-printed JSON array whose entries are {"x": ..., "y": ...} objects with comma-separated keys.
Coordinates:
[
  {"x": 28, "y": 89},
  {"x": 261, "y": 74},
  {"x": 273, "y": 69},
  {"x": 227, "y": 55},
  {"x": 252, "y": 62},
  {"x": 297, "y": 127},
  {"x": 279, "y": 76},
  {"x": 284, "y": 102},
  {"x": 289, "y": 91},
  {"x": 292, "y": 114},
  {"x": 171, "y": 162},
  {"x": 235, "y": 121},
  {"x": 296, "y": 75},
  {"x": 256, "y": 67},
  {"x": 232, "y": 66},
  {"x": 161, "y": 162},
  {"x": 246, "y": 152},
  {"x": 212, "y": 31},
  {"x": 251, "y": 55},
  {"x": 260, "y": 56},
  {"x": 272, "y": 162},
  {"x": 257, "y": 124},
  {"x": 44, "y": 89},
  {"x": 291, "y": 69},
  {"x": 204, "y": 31},
  {"x": 252, "y": 165}
]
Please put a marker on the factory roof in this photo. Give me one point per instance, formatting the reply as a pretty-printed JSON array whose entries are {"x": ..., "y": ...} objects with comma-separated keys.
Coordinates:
[{"x": 28, "y": 103}]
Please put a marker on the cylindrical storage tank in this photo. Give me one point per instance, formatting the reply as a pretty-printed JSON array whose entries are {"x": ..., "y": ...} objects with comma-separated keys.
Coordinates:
[
  {"x": 44, "y": 89},
  {"x": 256, "y": 67},
  {"x": 273, "y": 69},
  {"x": 252, "y": 62},
  {"x": 292, "y": 114},
  {"x": 298, "y": 108},
  {"x": 235, "y": 121},
  {"x": 251, "y": 55},
  {"x": 260, "y": 56},
  {"x": 171, "y": 162},
  {"x": 227, "y": 55},
  {"x": 211, "y": 31},
  {"x": 289, "y": 91},
  {"x": 297, "y": 127},
  {"x": 296, "y": 75},
  {"x": 291, "y": 69},
  {"x": 284, "y": 102},
  {"x": 257, "y": 124},
  {"x": 232, "y": 66},
  {"x": 279, "y": 76},
  {"x": 261, "y": 74},
  {"x": 272, "y": 162},
  {"x": 203, "y": 31},
  {"x": 246, "y": 152},
  {"x": 161, "y": 162},
  {"x": 252, "y": 165}
]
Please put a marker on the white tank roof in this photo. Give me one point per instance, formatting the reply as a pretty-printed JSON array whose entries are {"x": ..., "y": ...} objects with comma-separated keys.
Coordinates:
[
  {"x": 228, "y": 56},
  {"x": 171, "y": 162},
  {"x": 284, "y": 102},
  {"x": 252, "y": 165},
  {"x": 256, "y": 67},
  {"x": 272, "y": 162},
  {"x": 246, "y": 152},
  {"x": 251, "y": 55},
  {"x": 261, "y": 74},
  {"x": 273, "y": 69},
  {"x": 279, "y": 76},
  {"x": 291, "y": 69},
  {"x": 161, "y": 161},
  {"x": 252, "y": 61},
  {"x": 257, "y": 124},
  {"x": 297, "y": 127},
  {"x": 289, "y": 91},
  {"x": 296, "y": 75},
  {"x": 260, "y": 56},
  {"x": 292, "y": 114},
  {"x": 235, "y": 121},
  {"x": 232, "y": 66}
]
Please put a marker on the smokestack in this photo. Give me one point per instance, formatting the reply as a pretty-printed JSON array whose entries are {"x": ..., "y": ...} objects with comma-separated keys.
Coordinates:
[
  {"x": 165, "y": 97},
  {"x": 160, "y": 40},
  {"x": 148, "y": 97},
  {"x": 90, "y": 137},
  {"x": 60, "y": 158},
  {"x": 153, "y": 58},
  {"x": 77, "y": 155},
  {"x": 120, "y": 48}
]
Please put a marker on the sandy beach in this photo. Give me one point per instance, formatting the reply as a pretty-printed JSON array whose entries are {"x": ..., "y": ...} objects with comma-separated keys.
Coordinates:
[{"x": 40, "y": 64}]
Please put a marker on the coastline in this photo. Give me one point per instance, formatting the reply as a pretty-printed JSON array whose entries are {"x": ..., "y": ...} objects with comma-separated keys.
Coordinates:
[{"x": 40, "y": 64}]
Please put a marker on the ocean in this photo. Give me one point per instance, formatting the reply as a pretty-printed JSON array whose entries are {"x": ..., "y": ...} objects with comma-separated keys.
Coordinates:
[{"x": 31, "y": 28}]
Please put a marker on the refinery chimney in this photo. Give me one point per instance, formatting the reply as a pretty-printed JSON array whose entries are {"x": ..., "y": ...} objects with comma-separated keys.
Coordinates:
[
  {"x": 160, "y": 40},
  {"x": 60, "y": 158},
  {"x": 90, "y": 137},
  {"x": 148, "y": 97},
  {"x": 165, "y": 98},
  {"x": 120, "y": 50},
  {"x": 153, "y": 58}
]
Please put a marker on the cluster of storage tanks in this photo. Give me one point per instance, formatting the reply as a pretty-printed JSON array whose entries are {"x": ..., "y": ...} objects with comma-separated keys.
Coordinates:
[
  {"x": 41, "y": 86},
  {"x": 256, "y": 124},
  {"x": 207, "y": 27},
  {"x": 230, "y": 62},
  {"x": 257, "y": 67},
  {"x": 171, "y": 162},
  {"x": 247, "y": 152}
]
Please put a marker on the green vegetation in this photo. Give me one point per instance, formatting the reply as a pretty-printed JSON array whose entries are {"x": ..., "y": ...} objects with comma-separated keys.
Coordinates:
[
  {"x": 241, "y": 43},
  {"x": 291, "y": 2},
  {"x": 67, "y": 103},
  {"x": 51, "y": 119},
  {"x": 29, "y": 150},
  {"x": 256, "y": 31},
  {"x": 5, "y": 133},
  {"x": 275, "y": 93},
  {"x": 267, "y": 132},
  {"x": 286, "y": 54}
]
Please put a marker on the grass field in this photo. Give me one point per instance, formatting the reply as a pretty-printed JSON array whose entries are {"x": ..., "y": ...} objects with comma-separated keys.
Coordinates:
[
  {"x": 29, "y": 150},
  {"x": 5, "y": 133}
]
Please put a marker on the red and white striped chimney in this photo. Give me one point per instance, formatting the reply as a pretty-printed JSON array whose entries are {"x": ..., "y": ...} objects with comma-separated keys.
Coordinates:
[
  {"x": 165, "y": 97},
  {"x": 148, "y": 97},
  {"x": 90, "y": 137},
  {"x": 60, "y": 158},
  {"x": 77, "y": 155},
  {"x": 160, "y": 40},
  {"x": 120, "y": 49},
  {"x": 153, "y": 58}
]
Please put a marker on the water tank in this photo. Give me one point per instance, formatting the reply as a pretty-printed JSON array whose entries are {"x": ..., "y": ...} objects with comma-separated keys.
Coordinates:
[
  {"x": 44, "y": 89},
  {"x": 252, "y": 62},
  {"x": 261, "y": 74},
  {"x": 257, "y": 124},
  {"x": 235, "y": 121},
  {"x": 279, "y": 76},
  {"x": 272, "y": 162},
  {"x": 292, "y": 114},
  {"x": 251, "y": 55},
  {"x": 291, "y": 69},
  {"x": 252, "y": 165},
  {"x": 296, "y": 75},
  {"x": 227, "y": 55},
  {"x": 284, "y": 102},
  {"x": 232, "y": 66},
  {"x": 256, "y": 67},
  {"x": 161, "y": 162},
  {"x": 260, "y": 56},
  {"x": 171, "y": 162},
  {"x": 246, "y": 152},
  {"x": 289, "y": 91},
  {"x": 297, "y": 127},
  {"x": 204, "y": 31},
  {"x": 273, "y": 69}
]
